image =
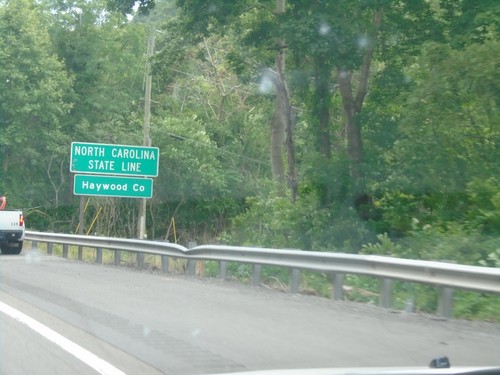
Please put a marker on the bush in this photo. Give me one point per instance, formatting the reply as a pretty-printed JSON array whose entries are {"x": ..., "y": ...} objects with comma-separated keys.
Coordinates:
[{"x": 276, "y": 222}]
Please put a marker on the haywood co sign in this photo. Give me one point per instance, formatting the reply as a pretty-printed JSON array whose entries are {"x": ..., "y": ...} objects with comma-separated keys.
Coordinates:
[
  {"x": 111, "y": 159},
  {"x": 113, "y": 186}
]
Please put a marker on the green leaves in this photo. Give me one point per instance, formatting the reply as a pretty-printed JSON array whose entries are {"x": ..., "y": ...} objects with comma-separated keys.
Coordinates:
[
  {"x": 33, "y": 96},
  {"x": 418, "y": 79},
  {"x": 127, "y": 6},
  {"x": 450, "y": 117}
]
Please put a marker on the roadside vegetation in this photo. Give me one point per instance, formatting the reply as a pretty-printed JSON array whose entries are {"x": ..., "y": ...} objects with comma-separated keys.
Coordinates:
[{"x": 367, "y": 127}]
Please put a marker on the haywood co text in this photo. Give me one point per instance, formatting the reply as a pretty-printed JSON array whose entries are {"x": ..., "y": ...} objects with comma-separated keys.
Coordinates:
[{"x": 113, "y": 186}]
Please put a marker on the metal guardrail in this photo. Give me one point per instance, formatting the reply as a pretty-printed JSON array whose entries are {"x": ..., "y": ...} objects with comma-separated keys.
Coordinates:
[{"x": 445, "y": 276}]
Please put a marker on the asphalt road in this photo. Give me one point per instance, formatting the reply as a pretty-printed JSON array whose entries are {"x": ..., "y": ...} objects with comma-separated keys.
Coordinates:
[{"x": 139, "y": 322}]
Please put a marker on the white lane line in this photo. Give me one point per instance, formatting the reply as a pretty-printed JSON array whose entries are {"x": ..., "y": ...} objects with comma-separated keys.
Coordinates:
[{"x": 90, "y": 359}]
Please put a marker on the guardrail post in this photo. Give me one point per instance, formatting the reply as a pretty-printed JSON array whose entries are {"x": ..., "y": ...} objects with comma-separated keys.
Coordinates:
[
  {"x": 80, "y": 252},
  {"x": 164, "y": 263},
  {"x": 223, "y": 269},
  {"x": 338, "y": 286},
  {"x": 139, "y": 260},
  {"x": 256, "y": 274},
  {"x": 118, "y": 257},
  {"x": 445, "y": 305},
  {"x": 191, "y": 267},
  {"x": 386, "y": 293},
  {"x": 294, "y": 280},
  {"x": 65, "y": 250},
  {"x": 50, "y": 246},
  {"x": 34, "y": 245},
  {"x": 191, "y": 263},
  {"x": 98, "y": 255}
]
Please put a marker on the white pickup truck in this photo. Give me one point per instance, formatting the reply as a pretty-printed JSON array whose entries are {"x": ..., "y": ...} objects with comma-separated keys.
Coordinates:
[{"x": 11, "y": 230}]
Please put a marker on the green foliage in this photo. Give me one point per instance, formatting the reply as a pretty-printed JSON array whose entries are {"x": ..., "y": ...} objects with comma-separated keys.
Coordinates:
[
  {"x": 105, "y": 57},
  {"x": 400, "y": 210},
  {"x": 484, "y": 205},
  {"x": 34, "y": 89},
  {"x": 361, "y": 289},
  {"x": 471, "y": 21},
  {"x": 476, "y": 306},
  {"x": 493, "y": 259},
  {"x": 415, "y": 297},
  {"x": 60, "y": 219},
  {"x": 201, "y": 16},
  {"x": 327, "y": 32},
  {"x": 451, "y": 110},
  {"x": 73, "y": 71},
  {"x": 276, "y": 222},
  {"x": 316, "y": 283},
  {"x": 446, "y": 153},
  {"x": 266, "y": 222},
  {"x": 451, "y": 242},
  {"x": 384, "y": 246},
  {"x": 127, "y": 6},
  {"x": 200, "y": 220}
]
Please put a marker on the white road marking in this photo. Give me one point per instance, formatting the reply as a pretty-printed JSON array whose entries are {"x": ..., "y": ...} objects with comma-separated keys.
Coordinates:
[{"x": 90, "y": 359}]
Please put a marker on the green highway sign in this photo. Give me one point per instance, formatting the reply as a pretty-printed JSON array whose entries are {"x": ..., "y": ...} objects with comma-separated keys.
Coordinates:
[
  {"x": 113, "y": 186},
  {"x": 98, "y": 158}
]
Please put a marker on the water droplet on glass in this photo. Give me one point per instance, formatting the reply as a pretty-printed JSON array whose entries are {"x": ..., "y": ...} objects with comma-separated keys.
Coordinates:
[
  {"x": 265, "y": 85},
  {"x": 324, "y": 29},
  {"x": 362, "y": 42}
]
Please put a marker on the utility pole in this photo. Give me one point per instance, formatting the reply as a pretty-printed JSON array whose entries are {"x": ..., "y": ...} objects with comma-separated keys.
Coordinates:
[{"x": 141, "y": 230}]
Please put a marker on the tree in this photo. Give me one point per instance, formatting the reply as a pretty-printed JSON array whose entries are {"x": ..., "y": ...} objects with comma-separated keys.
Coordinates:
[
  {"x": 105, "y": 55},
  {"x": 34, "y": 90},
  {"x": 197, "y": 83},
  {"x": 470, "y": 21},
  {"x": 283, "y": 118},
  {"x": 256, "y": 21},
  {"x": 335, "y": 44},
  {"x": 142, "y": 7},
  {"x": 449, "y": 133}
]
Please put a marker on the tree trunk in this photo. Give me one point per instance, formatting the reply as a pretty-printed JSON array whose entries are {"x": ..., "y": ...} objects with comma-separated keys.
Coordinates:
[
  {"x": 290, "y": 152},
  {"x": 353, "y": 128},
  {"x": 321, "y": 106},
  {"x": 352, "y": 108},
  {"x": 278, "y": 125},
  {"x": 282, "y": 120}
]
